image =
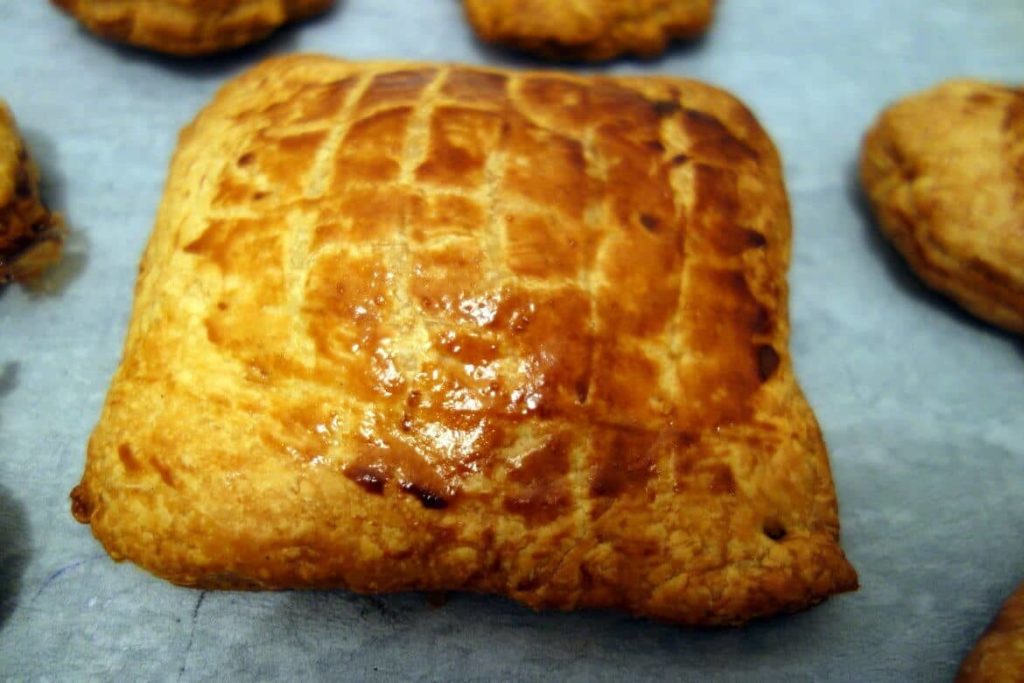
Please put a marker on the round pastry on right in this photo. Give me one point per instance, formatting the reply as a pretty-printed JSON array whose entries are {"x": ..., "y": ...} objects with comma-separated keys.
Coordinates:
[{"x": 944, "y": 170}]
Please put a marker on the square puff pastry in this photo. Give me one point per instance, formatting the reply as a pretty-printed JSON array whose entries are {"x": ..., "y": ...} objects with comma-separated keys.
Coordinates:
[
  {"x": 433, "y": 327},
  {"x": 188, "y": 27},
  {"x": 589, "y": 29},
  {"x": 944, "y": 170},
  {"x": 999, "y": 654}
]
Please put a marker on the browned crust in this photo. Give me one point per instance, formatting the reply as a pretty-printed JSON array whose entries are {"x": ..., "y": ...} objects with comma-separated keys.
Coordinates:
[
  {"x": 591, "y": 30},
  {"x": 999, "y": 654},
  {"x": 31, "y": 237},
  {"x": 189, "y": 27},
  {"x": 944, "y": 170},
  {"x": 332, "y": 289}
]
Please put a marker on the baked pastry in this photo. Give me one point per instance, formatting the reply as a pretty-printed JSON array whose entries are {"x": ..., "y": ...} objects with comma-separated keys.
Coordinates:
[
  {"x": 30, "y": 236},
  {"x": 189, "y": 27},
  {"x": 944, "y": 170},
  {"x": 589, "y": 29},
  {"x": 412, "y": 326},
  {"x": 999, "y": 655}
]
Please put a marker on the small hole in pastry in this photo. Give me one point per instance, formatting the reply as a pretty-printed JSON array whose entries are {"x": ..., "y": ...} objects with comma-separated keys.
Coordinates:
[
  {"x": 774, "y": 530},
  {"x": 767, "y": 361},
  {"x": 755, "y": 239},
  {"x": 649, "y": 222},
  {"x": 582, "y": 390}
]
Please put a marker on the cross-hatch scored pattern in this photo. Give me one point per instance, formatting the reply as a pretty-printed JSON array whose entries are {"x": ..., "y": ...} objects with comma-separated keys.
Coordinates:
[
  {"x": 492, "y": 274},
  {"x": 409, "y": 327}
]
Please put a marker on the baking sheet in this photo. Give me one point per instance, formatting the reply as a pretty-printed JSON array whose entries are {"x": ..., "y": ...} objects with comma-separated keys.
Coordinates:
[{"x": 923, "y": 408}]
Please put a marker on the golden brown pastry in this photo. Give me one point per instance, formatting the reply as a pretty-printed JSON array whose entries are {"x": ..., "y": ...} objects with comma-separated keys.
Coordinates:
[
  {"x": 411, "y": 326},
  {"x": 589, "y": 29},
  {"x": 944, "y": 170},
  {"x": 30, "y": 236},
  {"x": 189, "y": 27},
  {"x": 999, "y": 655}
]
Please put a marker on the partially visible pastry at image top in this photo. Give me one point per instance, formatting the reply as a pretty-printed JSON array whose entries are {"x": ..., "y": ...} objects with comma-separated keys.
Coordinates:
[
  {"x": 189, "y": 27},
  {"x": 589, "y": 29},
  {"x": 31, "y": 237},
  {"x": 999, "y": 654},
  {"x": 944, "y": 170}
]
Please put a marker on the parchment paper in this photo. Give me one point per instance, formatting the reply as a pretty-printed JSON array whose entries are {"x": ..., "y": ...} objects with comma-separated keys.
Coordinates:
[{"x": 923, "y": 407}]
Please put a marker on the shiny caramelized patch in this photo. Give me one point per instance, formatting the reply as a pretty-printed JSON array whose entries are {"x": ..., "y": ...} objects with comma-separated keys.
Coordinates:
[{"x": 465, "y": 258}]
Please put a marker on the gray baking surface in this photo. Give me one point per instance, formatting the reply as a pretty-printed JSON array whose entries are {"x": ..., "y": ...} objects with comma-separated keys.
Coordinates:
[{"x": 923, "y": 408}]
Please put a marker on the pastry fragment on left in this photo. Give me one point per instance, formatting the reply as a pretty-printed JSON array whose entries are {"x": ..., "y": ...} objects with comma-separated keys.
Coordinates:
[{"x": 31, "y": 237}]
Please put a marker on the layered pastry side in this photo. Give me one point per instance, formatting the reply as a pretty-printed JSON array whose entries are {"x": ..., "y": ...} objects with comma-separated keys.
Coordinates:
[
  {"x": 31, "y": 238},
  {"x": 189, "y": 27},
  {"x": 592, "y": 30},
  {"x": 433, "y": 327}
]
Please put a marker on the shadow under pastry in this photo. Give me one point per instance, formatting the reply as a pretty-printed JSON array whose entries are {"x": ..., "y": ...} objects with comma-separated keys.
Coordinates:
[
  {"x": 15, "y": 542},
  {"x": 8, "y": 379}
]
